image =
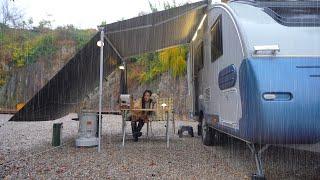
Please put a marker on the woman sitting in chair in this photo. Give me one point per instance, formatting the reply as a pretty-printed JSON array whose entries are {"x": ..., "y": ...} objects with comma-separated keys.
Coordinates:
[{"x": 138, "y": 118}]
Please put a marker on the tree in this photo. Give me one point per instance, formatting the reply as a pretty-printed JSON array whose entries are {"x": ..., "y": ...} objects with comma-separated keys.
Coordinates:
[
  {"x": 142, "y": 13},
  {"x": 153, "y": 7},
  {"x": 166, "y": 5},
  {"x": 10, "y": 15},
  {"x": 28, "y": 24},
  {"x": 44, "y": 25},
  {"x": 103, "y": 23}
]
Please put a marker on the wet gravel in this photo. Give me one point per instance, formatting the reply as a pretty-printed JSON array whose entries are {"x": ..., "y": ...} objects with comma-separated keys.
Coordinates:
[{"x": 26, "y": 153}]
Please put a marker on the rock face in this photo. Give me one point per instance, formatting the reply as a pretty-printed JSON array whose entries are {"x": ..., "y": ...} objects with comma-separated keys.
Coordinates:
[
  {"x": 165, "y": 86},
  {"x": 25, "y": 82},
  {"x": 111, "y": 89}
]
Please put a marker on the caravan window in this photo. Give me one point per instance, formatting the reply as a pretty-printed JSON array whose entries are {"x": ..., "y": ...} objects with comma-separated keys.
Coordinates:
[{"x": 216, "y": 40}]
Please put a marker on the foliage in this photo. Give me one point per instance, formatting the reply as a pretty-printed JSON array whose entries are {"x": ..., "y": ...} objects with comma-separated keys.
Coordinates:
[
  {"x": 21, "y": 47},
  {"x": 44, "y": 24},
  {"x": 25, "y": 47},
  {"x": 2, "y": 78},
  {"x": 29, "y": 51},
  {"x": 174, "y": 59},
  {"x": 153, "y": 7},
  {"x": 103, "y": 23},
  {"x": 165, "y": 4},
  {"x": 80, "y": 37},
  {"x": 149, "y": 66},
  {"x": 152, "y": 65}
]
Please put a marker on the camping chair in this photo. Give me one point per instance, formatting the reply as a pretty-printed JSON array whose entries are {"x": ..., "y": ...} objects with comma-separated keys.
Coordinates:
[{"x": 164, "y": 112}]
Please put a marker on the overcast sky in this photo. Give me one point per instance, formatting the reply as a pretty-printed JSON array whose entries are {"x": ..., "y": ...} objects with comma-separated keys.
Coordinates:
[{"x": 85, "y": 13}]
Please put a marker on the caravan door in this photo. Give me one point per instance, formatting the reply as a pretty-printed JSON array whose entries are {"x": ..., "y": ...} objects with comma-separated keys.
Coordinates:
[{"x": 226, "y": 55}]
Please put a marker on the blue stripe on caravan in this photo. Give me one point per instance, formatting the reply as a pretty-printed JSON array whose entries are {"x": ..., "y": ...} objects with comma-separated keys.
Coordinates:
[{"x": 287, "y": 121}]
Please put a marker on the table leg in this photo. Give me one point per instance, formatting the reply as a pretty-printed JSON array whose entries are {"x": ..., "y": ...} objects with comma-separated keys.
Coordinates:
[
  {"x": 167, "y": 129},
  {"x": 151, "y": 129},
  {"x": 148, "y": 130},
  {"x": 124, "y": 116},
  {"x": 173, "y": 124}
]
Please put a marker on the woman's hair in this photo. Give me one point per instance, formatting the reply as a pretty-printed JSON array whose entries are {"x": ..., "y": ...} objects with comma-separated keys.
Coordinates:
[{"x": 143, "y": 102}]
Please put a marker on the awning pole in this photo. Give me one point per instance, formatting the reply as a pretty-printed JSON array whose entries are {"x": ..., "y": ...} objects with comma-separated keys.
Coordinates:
[{"x": 100, "y": 86}]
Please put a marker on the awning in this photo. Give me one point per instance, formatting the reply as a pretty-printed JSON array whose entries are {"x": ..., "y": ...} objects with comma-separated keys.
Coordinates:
[
  {"x": 80, "y": 76},
  {"x": 156, "y": 31}
]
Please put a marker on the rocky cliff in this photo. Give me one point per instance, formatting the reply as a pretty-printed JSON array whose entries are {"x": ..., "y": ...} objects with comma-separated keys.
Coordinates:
[{"x": 24, "y": 82}]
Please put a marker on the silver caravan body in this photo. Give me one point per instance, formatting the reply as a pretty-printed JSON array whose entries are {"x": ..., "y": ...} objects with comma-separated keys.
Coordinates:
[{"x": 255, "y": 76}]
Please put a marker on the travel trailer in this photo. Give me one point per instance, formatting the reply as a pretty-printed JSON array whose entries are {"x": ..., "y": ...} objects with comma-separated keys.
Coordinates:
[{"x": 254, "y": 73}]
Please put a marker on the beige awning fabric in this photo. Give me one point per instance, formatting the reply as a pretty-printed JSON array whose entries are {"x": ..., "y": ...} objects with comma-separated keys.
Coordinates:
[
  {"x": 80, "y": 76},
  {"x": 156, "y": 31}
]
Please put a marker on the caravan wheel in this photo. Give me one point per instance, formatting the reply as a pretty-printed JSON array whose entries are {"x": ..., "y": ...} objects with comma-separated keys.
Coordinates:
[
  {"x": 210, "y": 136},
  {"x": 207, "y": 134}
]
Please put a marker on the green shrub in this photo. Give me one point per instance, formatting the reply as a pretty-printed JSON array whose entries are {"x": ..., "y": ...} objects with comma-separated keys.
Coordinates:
[
  {"x": 171, "y": 60},
  {"x": 31, "y": 50}
]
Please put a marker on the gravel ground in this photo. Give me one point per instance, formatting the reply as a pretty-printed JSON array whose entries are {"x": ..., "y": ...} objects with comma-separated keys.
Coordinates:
[{"x": 26, "y": 153}]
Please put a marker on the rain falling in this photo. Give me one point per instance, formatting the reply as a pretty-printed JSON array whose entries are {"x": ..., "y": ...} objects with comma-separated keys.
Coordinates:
[{"x": 182, "y": 90}]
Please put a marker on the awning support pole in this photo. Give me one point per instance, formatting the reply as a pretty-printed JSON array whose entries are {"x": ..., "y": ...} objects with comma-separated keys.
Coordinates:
[{"x": 100, "y": 86}]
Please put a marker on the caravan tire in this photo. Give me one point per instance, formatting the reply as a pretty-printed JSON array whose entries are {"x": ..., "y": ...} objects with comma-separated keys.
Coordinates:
[
  {"x": 210, "y": 136},
  {"x": 258, "y": 177},
  {"x": 207, "y": 134}
]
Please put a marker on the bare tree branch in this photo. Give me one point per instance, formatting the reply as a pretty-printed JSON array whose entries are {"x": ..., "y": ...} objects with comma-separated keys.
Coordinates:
[{"x": 10, "y": 15}]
